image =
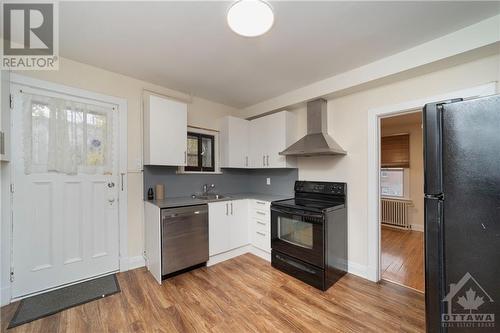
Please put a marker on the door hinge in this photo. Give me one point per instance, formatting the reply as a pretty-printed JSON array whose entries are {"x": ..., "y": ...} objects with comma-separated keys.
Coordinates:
[
  {"x": 11, "y": 188},
  {"x": 12, "y": 275},
  {"x": 11, "y": 102}
]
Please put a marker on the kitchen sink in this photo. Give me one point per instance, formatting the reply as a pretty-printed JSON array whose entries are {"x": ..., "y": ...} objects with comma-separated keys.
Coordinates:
[{"x": 211, "y": 197}]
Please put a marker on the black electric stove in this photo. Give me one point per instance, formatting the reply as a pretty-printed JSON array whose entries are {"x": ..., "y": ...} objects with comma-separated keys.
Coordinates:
[{"x": 309, "y": 233}]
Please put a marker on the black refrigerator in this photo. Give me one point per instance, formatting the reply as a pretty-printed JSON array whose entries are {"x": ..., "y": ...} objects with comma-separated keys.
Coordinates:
[{"x": 462, "y": 215}]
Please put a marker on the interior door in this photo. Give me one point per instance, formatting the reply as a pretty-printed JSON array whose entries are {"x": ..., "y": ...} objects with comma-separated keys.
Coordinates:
[{"x": 65, "y": 226}]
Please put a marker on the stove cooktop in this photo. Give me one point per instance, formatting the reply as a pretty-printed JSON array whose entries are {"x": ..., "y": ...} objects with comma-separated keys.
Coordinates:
[{"x": 308, "y": 204}]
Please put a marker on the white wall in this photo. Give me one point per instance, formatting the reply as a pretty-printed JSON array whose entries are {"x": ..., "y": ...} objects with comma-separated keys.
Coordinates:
[
  {"x": 348, "y": 124},
  {"x": 416, "y": 183},
  {"x": 201, "y": 112}
]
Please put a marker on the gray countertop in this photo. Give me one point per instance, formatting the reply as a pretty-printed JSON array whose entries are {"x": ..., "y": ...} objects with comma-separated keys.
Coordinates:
[{"x": 189, "y": 201}]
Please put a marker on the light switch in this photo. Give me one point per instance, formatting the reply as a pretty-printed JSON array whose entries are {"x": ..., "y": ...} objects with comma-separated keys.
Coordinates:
[{"x": 268, "y": 181}]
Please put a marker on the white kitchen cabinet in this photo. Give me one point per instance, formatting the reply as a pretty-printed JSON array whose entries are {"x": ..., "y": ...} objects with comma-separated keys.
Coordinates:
[
  {"x": 218, "y": 221},
  {"x": 259, "y": 138},
  {"x": 238, "y": 223},
  {"x": 228, "y": 225},
  {"x": 165, "y": 131},
  {"x": 257, "y": 143},
  {"x": 260, "y": 224},
  {"x": 234, "y": 145},
  {"x": 281, "y": 134},
  {"x": 5, "y": 116}
]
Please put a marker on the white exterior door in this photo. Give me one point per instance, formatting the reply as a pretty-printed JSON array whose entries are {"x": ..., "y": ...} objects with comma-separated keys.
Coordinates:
[{"x": 65, "y": 226}]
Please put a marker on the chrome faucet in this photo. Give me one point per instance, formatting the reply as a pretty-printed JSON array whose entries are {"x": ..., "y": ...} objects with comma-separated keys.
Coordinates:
[{"x": 206, "y": 188}]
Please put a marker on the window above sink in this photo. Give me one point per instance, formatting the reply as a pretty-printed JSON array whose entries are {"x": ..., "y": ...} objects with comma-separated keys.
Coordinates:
[{"x": 202, "y": 155}]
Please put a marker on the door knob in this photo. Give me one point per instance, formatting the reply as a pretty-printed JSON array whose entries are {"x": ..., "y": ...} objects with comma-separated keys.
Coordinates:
[{"x": 111, "y": 184}]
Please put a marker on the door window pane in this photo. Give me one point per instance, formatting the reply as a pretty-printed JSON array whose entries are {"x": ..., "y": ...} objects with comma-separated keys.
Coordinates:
[
  {"x": 392, "y": 182},
  {"x": 295, "y": 232},
  {"x": 66, "y": 136},
  {"x": 96, "y": 139}
]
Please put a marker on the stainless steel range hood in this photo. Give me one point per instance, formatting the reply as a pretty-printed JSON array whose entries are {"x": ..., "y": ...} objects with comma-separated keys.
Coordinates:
[{"x": 317, "y": 141}]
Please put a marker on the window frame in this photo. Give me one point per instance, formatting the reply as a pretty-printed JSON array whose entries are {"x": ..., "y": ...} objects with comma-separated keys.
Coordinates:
[
  {"x": 405, "y": 184},
  {"x": 200, "y": 167}
]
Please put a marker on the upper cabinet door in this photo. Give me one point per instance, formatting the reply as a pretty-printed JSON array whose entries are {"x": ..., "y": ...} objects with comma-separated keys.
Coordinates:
[
  {"x": 259, "y": 137},
  {"x": 165, "y": 131},
  {"x": 257, "y": 143},
  {"x": 282, "y": 134},
  {"x": 234, "y": 145}
]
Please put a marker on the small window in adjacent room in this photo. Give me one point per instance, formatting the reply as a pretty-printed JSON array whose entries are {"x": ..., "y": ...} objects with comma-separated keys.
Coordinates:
[
  {"x": 392, "y": 182},
  {"x": 200, "y": 152}
]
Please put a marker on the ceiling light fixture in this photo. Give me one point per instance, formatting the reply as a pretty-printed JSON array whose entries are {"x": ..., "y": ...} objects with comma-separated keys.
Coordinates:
[{"x": 250, "y": 18}]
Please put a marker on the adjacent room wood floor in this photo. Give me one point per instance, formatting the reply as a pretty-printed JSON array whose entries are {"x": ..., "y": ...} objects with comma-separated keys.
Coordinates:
[
  {"x": 403, "y": 257},
  {"x": 244, "y": 294}
]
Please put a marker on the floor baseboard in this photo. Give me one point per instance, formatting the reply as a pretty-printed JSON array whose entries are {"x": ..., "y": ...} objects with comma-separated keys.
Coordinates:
[
  {"x": 417, "y": 227},
  {"x": 136, "y": 262},
  {"x": 5, "y": 295}
]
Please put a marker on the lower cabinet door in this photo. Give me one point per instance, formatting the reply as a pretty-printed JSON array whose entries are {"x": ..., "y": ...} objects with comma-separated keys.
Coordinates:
[
  {"x": 238, "y": 229},
  {"x": 218, "y": 219}
]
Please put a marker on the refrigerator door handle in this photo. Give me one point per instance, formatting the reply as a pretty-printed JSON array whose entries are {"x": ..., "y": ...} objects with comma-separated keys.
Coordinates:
[
  {"x": 433, "y": 143},
  {"x": 435, "y": 288}
]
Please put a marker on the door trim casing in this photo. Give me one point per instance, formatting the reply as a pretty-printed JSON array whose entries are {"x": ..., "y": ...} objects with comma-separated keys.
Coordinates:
[
  {"x": 121, "y": 105},
  {"x": 374, "y": 115}
]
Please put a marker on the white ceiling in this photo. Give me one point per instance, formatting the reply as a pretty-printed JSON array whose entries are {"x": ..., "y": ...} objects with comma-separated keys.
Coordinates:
[{"x": 187, "y": 46}]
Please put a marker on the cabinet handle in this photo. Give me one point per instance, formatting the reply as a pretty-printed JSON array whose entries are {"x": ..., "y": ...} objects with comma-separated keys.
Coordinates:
[
  {"x": 122, "y": 175},
  {"x": 227, "y": 209},
  {"x": 258, "y": 222},
  {"x": 267, "y": 160},
  {"x": 185, "y": 157},
  {"x": 261, "y": 213},
  {"x": 231, "y": 208},
  {"x": 260, "y": 202},
  {"x": 263, "y": 160},
  {"x": 261, "y": 233},
  {"x": 246, "y": 160}
]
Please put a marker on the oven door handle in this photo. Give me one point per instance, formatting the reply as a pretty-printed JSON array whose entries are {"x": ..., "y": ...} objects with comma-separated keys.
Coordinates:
[{"x": 291, "y": 212}]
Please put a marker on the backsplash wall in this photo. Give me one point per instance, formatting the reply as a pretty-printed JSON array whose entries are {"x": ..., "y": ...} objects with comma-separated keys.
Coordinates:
[{"x": 230, "y": 181}]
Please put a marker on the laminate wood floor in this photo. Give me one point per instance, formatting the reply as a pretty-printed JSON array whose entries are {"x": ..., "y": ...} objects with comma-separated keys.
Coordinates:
[
  {"x": 403, "y": 257},
  {"x": 244, "y": 294}
]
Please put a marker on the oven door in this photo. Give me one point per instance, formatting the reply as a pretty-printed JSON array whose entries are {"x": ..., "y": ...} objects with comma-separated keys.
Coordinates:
[{"x": 298, "y": 234}]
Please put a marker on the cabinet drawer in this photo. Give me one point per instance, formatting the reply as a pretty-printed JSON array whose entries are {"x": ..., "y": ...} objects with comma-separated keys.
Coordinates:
[
  {"x": 261, "y": 214},
  {"x": 260, "y": 225},
  {"x": 261, "y": 240},
  {"x": 261, "y": 205}
]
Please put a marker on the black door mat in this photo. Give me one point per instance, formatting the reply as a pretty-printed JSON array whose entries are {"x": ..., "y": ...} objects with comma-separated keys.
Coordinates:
[{"x": 43, "y": 305}]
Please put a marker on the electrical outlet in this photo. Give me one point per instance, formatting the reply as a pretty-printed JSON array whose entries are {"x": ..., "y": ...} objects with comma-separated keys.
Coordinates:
[{"x": 268, "y": 181}]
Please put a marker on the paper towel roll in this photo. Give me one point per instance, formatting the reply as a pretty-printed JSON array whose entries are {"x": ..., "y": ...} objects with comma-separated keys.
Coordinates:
[{"x": 160, "y": 191}]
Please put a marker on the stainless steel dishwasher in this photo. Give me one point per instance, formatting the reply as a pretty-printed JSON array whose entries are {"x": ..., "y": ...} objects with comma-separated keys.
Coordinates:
[{"x": 184, "y": 238}]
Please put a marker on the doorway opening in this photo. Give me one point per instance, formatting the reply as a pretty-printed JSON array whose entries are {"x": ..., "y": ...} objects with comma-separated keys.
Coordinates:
[{"x": 401, "y": 173}]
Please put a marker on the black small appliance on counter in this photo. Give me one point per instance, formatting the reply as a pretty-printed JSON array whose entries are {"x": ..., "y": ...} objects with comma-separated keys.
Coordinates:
[{"x": 309, "y": 233}]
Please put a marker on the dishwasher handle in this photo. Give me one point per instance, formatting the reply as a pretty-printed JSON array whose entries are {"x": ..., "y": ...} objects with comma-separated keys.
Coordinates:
[{"x": 184, "y": 211}]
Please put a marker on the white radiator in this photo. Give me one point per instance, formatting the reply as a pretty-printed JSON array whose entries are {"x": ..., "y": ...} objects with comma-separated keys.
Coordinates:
[{"x": 395, "y": 212}]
